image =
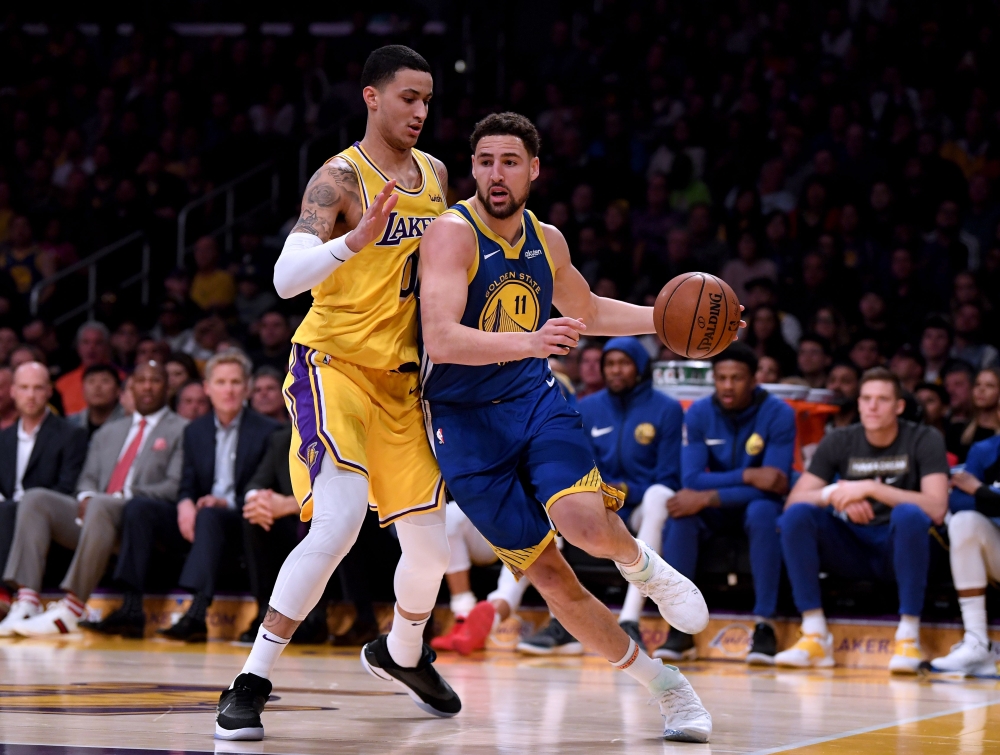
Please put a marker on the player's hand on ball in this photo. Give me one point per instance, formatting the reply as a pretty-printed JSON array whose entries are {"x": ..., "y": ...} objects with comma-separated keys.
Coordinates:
[
  {"x": 556, "y": 337},
  {"x": 372, "y": 224},
  {"x": 743, "y": 324}
]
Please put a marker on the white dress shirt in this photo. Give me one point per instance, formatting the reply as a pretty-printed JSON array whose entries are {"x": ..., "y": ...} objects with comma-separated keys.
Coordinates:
[
  {"x": 226, "y": 438},
  {"x": 151, "y": 421},
  {"x": 25, "y": 445}
]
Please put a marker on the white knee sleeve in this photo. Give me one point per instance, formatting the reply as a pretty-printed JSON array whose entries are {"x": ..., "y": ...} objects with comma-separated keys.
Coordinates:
[
  {"x": 340, "y": 502},
  {"x": 653, "y": 515},
  {"x": 974, "y": 550},
  {"x": 423, "y": 539}
]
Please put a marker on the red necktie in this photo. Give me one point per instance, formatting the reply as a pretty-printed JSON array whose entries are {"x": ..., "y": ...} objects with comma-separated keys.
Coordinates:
[{"x": 117, "y": 482}]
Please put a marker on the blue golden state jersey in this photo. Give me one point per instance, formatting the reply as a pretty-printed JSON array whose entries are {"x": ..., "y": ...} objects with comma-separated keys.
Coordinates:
[
  {"x": 365, "y": 312},
  {"x": 510, "y": 291}
]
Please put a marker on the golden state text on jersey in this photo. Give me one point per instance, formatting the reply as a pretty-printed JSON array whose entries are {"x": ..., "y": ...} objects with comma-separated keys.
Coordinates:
[
  {"x": 510, "y": 291},
  {"x": 366, "y": 312}
]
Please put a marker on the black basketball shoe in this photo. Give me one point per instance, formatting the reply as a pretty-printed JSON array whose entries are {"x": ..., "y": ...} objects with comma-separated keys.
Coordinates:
[
  {"x": 679, "y": 646},
  {"x": 423, "y": 684},
  {"x": 631, "y": 628},
  {"x": 239, "y": 708},
  {"x": 763, "y": 645},
  {"x": 552, "y": 639}
]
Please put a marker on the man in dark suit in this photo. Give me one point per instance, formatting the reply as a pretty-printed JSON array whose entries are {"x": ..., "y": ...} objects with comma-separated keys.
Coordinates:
[
  {"x": 222, "y": 450},
  {"x": 40, "y": 450}
]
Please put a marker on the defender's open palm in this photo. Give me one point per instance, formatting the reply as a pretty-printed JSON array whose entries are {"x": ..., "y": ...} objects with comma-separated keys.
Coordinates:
[{"x": 372, "y": 224}]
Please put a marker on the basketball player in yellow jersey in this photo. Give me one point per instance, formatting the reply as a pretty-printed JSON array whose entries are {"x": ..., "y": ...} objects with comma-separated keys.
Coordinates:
[{"x": 358, "y": 429}]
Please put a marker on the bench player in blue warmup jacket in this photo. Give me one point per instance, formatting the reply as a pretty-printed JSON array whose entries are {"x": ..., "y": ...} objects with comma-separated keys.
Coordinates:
[
  {"x": 735, "y": 467},
  {"x": 511, "y": 449},
  {"x": 635, "y": 434},
  {"x": 974, "y": 536}
]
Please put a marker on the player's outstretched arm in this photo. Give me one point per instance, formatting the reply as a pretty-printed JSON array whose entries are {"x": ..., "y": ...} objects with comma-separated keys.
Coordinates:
[
  {"x": 573, "y": 297},
  {"x": 447, "y": 253},
  {"x": 332, "y": 228}
]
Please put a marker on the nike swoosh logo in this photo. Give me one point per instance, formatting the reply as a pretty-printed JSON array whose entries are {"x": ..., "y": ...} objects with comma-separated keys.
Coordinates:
[
  {"x": 714, "y": 441},
  {"x": 270, "y": 640},
  {"x": 597, "y": 432},
  {"x": 891, "y": 480},
  {"x": 487, "y": 256},
  {"x": 550, "y": 382},
  {"x": 223, "y": 711}
]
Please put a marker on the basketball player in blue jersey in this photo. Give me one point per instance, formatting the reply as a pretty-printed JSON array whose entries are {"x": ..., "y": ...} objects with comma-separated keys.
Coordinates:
[
  {"x": 511, "y": 449},
  {"x": 358, "y": 431}
]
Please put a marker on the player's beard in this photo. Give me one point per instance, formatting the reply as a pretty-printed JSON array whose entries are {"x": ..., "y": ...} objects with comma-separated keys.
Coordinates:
[{"x": 512, "y": 206}]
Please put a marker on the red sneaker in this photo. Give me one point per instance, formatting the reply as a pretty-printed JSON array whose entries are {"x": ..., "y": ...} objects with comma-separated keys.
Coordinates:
[
  {"x": 447, "y": 641},
  {"x": 476, "y": 628}
]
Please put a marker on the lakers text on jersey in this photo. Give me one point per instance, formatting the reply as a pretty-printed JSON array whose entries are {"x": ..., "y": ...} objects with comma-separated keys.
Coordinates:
[{"x": 351, "y": 387}]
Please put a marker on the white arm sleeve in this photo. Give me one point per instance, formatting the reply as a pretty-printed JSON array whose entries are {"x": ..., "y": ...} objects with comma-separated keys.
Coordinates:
[{"x": 305, "y": 262}]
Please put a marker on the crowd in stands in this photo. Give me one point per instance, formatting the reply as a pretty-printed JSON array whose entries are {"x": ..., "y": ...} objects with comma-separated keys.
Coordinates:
[{"x": 836, "y": 163}]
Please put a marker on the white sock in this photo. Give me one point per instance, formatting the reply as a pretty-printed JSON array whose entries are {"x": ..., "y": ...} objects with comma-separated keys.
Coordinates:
[
  {"x": 651, "y": 673},
  {"x": 264, "y": 653},
  {"x": 462, "y": 603},
  {"x": 974, "y": 618},
  {"x": 909, "y": 628},
  {"x": 641, "y": 569},
  {"x": 406, "y": 639},
  {"x": 814, "y": 622},
  {"x": 632, "y": 607}
]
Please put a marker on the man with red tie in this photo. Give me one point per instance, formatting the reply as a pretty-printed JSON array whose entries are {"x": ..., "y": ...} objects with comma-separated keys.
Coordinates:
[{"x": 136, "y": 456}]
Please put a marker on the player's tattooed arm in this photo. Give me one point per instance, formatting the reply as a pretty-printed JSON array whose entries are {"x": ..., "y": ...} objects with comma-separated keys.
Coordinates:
[{"x": 332, "y": 198}]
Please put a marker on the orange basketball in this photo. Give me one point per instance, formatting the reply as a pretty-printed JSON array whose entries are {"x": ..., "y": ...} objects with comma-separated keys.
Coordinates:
[{"x": 696, "y": 315}]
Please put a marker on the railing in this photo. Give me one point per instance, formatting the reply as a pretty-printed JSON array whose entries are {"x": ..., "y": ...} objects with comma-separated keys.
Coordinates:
[
  {"x": 339, "y": 128},
  {"x": 90, "y": 264},
  {"x": 232, "y": 220}
]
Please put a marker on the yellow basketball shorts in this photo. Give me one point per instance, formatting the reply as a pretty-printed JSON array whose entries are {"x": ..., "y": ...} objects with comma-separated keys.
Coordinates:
[{"x": 369, "y": 422}]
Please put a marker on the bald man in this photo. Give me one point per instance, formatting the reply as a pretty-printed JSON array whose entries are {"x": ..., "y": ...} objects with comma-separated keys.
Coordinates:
[
  {"x": 38, "y": 450},
  {"x": 135, "y": 456}
]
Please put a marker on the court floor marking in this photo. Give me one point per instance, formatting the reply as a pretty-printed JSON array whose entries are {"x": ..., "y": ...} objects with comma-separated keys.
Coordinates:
[{"x": 876, "y": 727}]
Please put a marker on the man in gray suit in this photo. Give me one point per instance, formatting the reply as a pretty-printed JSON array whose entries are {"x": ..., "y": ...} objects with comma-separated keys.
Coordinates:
[{"x": 137, "y": 456}]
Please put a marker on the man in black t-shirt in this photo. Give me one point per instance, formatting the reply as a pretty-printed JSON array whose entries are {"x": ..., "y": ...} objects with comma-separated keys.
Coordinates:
[{"x": 863, "y": 511}]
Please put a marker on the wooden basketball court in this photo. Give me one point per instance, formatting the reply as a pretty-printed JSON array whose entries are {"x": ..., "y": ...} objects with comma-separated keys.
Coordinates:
[{"x": 71, "y": 695}]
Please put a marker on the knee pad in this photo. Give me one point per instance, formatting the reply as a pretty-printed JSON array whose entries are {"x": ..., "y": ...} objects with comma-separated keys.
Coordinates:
[
  {"x": 423, "y": 539},
  {"x": 964, "y": 527}
]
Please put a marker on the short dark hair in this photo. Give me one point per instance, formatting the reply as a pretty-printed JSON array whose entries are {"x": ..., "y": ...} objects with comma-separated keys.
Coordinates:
[
  {"x": 266, "y": 370},
  {"x": 937, "y": 322},
  {"x": 936, "y": 389},
  {"x": 816, "y": 338},
  {"x": 849, "y": 365},
  {"x": 738, "y": 352},
  {"x": 383, "y": 63},
  {"x": 885, "y": 375},
  {"x": 957, "y": 365},
  {"x": 507, "y": 124},
  {"x": 107, "y": 369}
]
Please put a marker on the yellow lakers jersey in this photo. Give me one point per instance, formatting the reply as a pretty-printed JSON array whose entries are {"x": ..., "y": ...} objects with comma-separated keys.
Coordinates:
[{"x": 366, "y": 312}]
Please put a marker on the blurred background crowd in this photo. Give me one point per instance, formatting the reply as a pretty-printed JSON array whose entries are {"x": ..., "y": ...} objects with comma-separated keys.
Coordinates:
[{"x": 835, "y": 162}]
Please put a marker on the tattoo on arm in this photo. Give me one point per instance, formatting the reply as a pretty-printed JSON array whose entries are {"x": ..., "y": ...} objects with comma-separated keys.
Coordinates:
[
  {"x": 333, "y": 192},
  {"x": 310, "y": 222}
]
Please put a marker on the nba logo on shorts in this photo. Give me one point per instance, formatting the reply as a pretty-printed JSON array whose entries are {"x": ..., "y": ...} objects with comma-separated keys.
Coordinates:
[{"x": 440, "y": 436}]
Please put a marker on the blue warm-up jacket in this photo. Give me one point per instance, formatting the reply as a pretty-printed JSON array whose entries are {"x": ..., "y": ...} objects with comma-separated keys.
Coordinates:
[
  {"x": 636, "y": 438},
  {"x": 719, "y": 445},
  {"x": 981, "y": 463}
]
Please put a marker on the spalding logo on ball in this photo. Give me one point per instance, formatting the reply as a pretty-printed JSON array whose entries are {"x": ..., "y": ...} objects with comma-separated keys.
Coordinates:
[{"x": 696, "y": 315}]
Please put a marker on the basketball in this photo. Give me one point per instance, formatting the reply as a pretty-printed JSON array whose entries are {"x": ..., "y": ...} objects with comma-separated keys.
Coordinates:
[{"x": 696, "y": 315}]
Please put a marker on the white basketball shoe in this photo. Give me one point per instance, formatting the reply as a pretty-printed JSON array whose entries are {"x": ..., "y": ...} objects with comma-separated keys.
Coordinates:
[{"x": 680, "y": 602}]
